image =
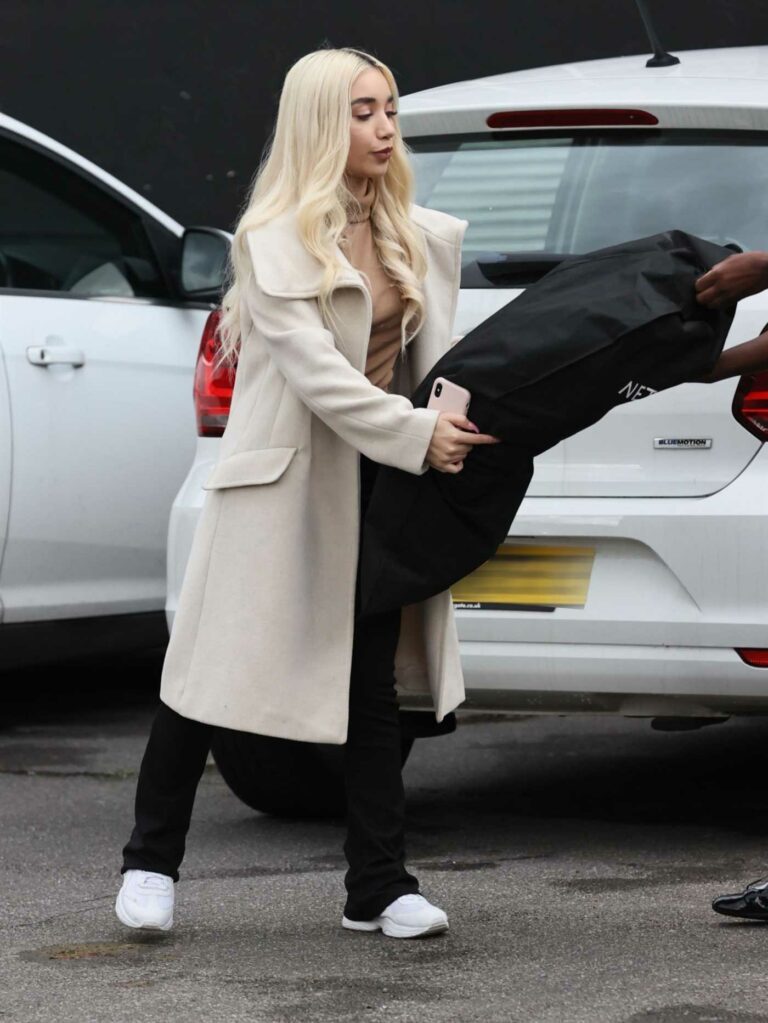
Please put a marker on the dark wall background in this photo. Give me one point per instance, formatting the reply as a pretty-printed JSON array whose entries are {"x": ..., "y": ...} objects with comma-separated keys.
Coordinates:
[{"x": 177, "y": 97}]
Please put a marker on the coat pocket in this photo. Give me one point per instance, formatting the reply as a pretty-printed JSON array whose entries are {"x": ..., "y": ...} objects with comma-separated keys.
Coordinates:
[{"x": 245, "y": 468}]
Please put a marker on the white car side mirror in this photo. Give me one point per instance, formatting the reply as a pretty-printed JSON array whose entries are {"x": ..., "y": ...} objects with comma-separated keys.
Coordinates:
[{"x": 204, "y": 258}]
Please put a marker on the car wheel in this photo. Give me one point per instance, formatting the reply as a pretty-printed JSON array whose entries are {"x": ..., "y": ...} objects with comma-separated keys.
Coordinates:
[{"x": 282, "y": 777}]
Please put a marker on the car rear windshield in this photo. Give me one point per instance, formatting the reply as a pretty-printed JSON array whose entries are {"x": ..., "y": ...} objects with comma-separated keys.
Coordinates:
[{"x": 530, "y": 200}]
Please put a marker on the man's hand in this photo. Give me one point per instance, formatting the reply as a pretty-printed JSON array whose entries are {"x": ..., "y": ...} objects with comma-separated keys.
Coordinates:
[
  {"x": 741, "y": 360},
  {"x": 740, "y": 275},
  {"x": 453, "y": 438}
]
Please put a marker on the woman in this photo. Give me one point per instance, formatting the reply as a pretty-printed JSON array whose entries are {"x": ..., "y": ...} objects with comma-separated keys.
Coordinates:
[{"x": 343, "y": 293}]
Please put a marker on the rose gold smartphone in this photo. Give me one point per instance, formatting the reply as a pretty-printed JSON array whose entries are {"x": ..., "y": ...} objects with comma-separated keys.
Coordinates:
[{"x": 448, "y": 397}]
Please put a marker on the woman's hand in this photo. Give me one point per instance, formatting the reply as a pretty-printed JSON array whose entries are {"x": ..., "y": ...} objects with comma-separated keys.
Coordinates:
[{"x": 453, "y": 438}]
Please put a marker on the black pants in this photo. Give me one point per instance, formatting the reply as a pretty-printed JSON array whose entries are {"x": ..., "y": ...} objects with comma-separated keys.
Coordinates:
[{"x": 375, "y": 846}]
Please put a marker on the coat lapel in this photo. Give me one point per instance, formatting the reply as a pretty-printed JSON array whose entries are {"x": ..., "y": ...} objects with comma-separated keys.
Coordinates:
[{"x": 285, "y": 269}]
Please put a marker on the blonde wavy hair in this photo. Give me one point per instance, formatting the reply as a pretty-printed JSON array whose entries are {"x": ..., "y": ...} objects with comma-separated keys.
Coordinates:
[{"x": 303, "y": 166}]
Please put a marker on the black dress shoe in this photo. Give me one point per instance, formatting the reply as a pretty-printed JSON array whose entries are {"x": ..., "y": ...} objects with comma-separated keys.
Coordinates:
[{"x": 751, "y": 904}]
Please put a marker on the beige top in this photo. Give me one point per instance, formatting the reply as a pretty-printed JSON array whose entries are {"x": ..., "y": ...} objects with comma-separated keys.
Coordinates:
[{"x": 384, "y": 345}]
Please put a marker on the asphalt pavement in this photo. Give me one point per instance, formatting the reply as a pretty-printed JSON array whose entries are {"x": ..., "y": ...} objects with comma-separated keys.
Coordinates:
[{"x": 576, "y": 857}]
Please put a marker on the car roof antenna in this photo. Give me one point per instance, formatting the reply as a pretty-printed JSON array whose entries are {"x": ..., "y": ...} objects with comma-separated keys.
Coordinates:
[{"x": 660, "y": 56}]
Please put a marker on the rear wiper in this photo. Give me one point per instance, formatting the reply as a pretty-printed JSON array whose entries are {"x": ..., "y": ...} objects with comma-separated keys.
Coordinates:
[{"x": 517, "y": 267}]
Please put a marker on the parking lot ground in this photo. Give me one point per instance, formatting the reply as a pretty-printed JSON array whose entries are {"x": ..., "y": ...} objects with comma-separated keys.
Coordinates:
[{"x": 576, "y": 857}]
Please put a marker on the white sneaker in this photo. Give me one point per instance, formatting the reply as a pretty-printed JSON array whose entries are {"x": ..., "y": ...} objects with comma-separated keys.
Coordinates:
[
  {"x": 410, "y": 916},
  {"x": 145, "y": 900}
]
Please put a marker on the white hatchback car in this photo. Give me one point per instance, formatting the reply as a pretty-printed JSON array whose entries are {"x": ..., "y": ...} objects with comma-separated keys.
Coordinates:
[
  {"x": 635, "y": 577},
  {"x": 102, "y": 300}
]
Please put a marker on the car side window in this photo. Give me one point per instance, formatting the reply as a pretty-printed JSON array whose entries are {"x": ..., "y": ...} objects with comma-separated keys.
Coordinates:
[{"x": 60, "y": 232}]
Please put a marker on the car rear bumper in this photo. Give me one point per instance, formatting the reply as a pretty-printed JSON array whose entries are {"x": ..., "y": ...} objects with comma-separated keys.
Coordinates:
[
  {"x": 645, "y": 681},
  {"x": 677, "y": 584}
]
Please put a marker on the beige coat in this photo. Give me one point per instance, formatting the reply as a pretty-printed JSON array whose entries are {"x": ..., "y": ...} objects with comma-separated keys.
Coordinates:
[{"x": 262, "y": 638}]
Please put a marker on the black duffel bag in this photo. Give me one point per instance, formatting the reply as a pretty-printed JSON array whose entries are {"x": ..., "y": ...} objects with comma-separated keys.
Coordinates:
[{"x": 601, "y": 329}]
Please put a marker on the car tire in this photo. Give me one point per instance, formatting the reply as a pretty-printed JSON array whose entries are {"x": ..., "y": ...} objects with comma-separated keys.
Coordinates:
[{"x": 284, "y": 778}]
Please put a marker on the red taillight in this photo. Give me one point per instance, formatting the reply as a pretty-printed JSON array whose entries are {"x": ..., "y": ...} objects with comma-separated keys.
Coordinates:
[
  {"x": 596, "y": 118},
  {"x": 756, "y": 658},
  {"x": 750, "y": 404},
  {"x": 213, "y": 387}
]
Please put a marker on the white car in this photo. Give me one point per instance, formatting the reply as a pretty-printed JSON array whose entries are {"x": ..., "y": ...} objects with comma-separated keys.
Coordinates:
[
  {"x": 635, "y": 576},
  {"x": 102, "y": 300}
]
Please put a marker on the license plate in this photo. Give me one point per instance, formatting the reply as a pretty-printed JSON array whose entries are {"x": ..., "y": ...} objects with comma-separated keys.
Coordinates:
[{"x": 525, "y": 577}]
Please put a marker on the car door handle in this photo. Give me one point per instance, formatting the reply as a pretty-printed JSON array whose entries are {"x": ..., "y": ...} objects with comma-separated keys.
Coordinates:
[{"x": 42, "y": 355}]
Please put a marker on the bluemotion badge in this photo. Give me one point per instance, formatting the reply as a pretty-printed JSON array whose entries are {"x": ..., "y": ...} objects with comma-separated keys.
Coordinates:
[{"x": 682, "y": 443}]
